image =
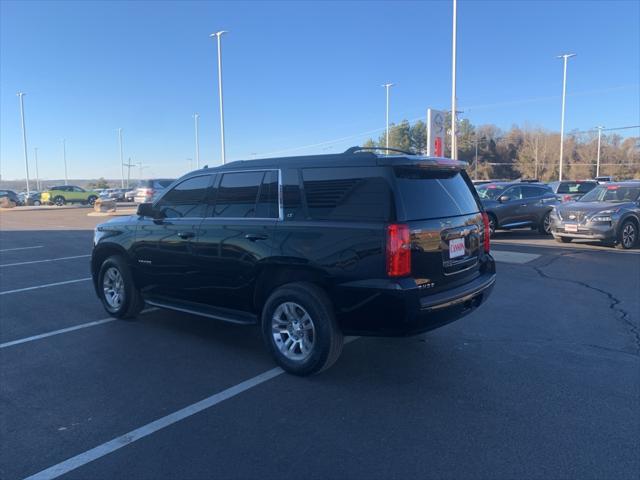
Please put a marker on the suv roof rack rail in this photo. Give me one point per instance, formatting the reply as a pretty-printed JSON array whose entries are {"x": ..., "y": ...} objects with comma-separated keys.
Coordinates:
[
  {"x": 529, "y": 180},
  {"x": 360, "y": 149}
]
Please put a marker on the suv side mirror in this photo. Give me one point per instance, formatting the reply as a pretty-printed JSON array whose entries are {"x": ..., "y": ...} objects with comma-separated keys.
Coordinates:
[
  {"x": 504, "y": 198},
  {"x": 147, "y": 210}
]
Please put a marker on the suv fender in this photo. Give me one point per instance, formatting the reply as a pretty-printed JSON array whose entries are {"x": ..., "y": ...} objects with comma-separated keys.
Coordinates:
[{"x": 273, "y": 276}]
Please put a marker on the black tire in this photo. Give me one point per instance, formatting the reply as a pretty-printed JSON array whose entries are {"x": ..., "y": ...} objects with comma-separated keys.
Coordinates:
[
  {"x": 563, "y": 239},
  {"x": 327, "y": 338},
  {"x": 493, "y": 224},
  {"x": 36, "y": 203},
  {"x": 91, "y": 200},
  {"x": 545, "y": 224},
  {"x": 59, "y": 200},
  {"x": 628, "y": 235},
  {"x": 132, "y": 303}
]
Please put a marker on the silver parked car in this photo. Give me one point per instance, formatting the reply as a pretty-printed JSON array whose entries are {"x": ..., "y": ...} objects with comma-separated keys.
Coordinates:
[
  {"x": 149, "y": 190},
  {"x": 609, "y": 213}
]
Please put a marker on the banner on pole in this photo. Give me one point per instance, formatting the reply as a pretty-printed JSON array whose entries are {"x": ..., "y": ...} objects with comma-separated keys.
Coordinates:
[{"x": 435, "y": 133}]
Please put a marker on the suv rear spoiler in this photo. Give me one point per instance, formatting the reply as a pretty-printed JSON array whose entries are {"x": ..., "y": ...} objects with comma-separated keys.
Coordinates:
[{"x": 409, "y": 159}]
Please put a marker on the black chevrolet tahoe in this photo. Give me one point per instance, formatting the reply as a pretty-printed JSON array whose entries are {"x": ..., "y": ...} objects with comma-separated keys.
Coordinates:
[{"x": 308, "y": 248}]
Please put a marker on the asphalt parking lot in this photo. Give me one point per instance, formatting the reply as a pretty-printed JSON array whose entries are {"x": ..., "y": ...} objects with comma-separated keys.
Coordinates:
[{"x": 541, "y": 382}]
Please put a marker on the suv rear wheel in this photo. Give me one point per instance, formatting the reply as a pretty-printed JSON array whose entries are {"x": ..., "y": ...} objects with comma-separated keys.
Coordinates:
[
  {"x": 116, "y": 289},
  {"x": 628, "y": 235},
  {"x": 92, "y": 200},
  {"x": 545, "y": 224},
  {"x": 300, "y": 329},
  {"x": 59, "y": 200}
]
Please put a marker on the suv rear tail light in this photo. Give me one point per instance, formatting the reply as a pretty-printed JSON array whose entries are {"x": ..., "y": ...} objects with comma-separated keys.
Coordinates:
[
  {"x": 566, "y": 198},
  {"x": 398, "y": 250},
  {"x": 487, "y": 232}
]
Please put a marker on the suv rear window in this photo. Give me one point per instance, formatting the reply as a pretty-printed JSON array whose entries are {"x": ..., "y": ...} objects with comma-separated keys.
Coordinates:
[
  {"x": 354, "y": 194},
  {"x": 429, "y": 194},
  {"x": 576, "y": 187}
]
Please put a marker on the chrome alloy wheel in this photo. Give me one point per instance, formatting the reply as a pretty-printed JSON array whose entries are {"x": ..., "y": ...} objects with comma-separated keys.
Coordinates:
[
  {"x": 113, "y": 287},
  {"x": 293, "y": 331},
  {"x": 628, "y": 235},
  {"x": 547, "y": 224}
]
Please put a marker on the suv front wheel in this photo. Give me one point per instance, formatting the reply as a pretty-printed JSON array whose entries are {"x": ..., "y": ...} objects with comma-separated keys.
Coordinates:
[
  {"x": 300, "y": 329},
  {"x": 116, "y": 288}
]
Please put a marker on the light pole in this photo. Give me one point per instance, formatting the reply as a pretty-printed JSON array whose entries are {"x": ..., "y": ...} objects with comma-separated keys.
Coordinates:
[
  {"x": 24, "y": 139},
  {"x": 387, "y": 86},
  {"x": 196, "y": 118},
  {"x": 598, "y": 156},
  {"x": 454, "y": 142},
  {"x": 64, "y": 157},
  {"x": 121, "y": 159},
  {"x": 218, "y": 35},
  {"x": 565, "y": 57},
  {"x": 37, "y": 174},
  {"x": 129, "y": 165}
]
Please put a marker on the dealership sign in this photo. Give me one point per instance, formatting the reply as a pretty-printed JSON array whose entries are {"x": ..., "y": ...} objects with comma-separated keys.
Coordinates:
[{"x": 435, "y": 133}]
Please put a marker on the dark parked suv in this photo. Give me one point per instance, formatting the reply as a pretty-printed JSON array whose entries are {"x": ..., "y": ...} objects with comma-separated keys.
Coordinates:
[
  {"x": 518, "y": 204},
  {"x": 308, "y": 248}
]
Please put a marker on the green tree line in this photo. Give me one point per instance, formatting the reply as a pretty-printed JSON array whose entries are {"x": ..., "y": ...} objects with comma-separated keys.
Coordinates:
[{"x": 525, "y": 152}]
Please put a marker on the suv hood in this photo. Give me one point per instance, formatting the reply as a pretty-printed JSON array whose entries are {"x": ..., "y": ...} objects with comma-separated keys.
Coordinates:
[{"x": 591, "y": 207}]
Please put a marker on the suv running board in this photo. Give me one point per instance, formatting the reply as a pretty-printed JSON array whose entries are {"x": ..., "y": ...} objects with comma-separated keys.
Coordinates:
[{"x": 218, "y": 313}]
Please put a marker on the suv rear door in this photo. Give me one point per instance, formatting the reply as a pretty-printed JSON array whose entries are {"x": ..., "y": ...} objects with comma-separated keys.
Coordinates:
[
  {"x": 236, "y": 236},
  {"x": 441, "y": 211}
]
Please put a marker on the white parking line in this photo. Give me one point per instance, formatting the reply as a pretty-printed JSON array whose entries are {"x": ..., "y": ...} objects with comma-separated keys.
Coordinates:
[
  {"x": 42, "y": 261},
  {"x": 122, "y": 441},
  {"x": 65, "y": 330},
  {"x": 7, "y": 292},
  {"x": 134, "y": 435},
  {"x": 19, "y": 248}
]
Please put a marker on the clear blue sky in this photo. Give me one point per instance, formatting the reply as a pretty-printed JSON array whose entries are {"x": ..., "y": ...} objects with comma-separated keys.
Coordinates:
[{"x": 295, "y": 74}]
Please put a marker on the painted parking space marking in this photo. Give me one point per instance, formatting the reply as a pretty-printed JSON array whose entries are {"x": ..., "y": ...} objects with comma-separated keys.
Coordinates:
[
  {"x": 513, "y": 257},
  {"x": 20, "y": 248},
  {"x": 43, "y": 261},
  {"x": 66, "y": 330},
  {"x": 117, "y": 443},
  {"x": 47, "y": 285}
]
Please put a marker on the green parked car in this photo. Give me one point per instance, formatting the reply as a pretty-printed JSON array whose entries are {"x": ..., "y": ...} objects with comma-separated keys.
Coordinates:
[{"x": 68, "y": 194}]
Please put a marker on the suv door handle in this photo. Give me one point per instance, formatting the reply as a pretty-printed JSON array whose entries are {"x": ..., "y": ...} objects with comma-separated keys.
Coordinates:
[
  {"x": 186, "y": 235},
  {"x": 255, "y": 236}
]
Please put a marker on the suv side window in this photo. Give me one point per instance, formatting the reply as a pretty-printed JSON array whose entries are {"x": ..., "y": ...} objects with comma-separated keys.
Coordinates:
[
  {"x": 251, "y": 194},
  {"x": 77, "y": 189},
  {"x": 514, "y": 193},
  {"x": 531, "y": 192},
  {"x": 356, "y": 194},
  {"x": 187, "y": 199}
]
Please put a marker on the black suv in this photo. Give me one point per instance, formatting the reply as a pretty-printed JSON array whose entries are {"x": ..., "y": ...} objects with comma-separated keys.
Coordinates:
[{"x": 308, "y": 248}]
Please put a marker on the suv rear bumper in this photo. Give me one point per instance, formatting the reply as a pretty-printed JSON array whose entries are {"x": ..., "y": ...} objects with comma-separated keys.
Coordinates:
[{"x": 404, "y": 312}]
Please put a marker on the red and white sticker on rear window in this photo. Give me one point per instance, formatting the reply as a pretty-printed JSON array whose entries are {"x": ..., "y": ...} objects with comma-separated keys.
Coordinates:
[{"x": 456, "y": 247}]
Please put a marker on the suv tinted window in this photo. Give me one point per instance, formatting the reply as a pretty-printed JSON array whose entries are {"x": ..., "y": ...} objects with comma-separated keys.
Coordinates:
[
  {"x": 433, "y": 194},
  {"x": 530, "y": 192},
  {"x": 185, "y": 199},
  {"x": 356, "y": 194},
  {"x": 267, "y": 205},
  {"x": 576, "y": 187},
  {"x": 238, "y": 195}
]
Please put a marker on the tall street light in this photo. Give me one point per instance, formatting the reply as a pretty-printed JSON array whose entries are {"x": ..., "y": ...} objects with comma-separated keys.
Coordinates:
[
  {"x": 121, "y": 159},
  {"x": 598, "y": 156},
  {"x": 64, "y": 157},
  {"x": 37, "y": 174},
  {"x": 196, "y": 119},
  {"x": 387, "y": 86},
  {"x": 454, "y": 142},
  {"x": 218, "y": 35},
  {"x": 565, "y": 57},
  {"x": 24, "y": 139}
]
